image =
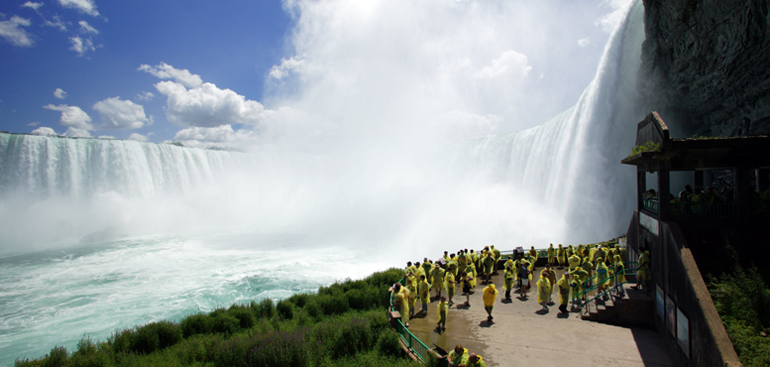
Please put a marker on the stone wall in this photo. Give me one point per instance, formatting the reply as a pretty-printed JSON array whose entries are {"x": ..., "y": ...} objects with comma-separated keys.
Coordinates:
[{"x": 705, "y": 66}]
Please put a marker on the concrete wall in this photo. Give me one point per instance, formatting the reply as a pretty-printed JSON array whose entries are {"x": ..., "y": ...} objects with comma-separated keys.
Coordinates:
[{"x": 674, "y": 270}]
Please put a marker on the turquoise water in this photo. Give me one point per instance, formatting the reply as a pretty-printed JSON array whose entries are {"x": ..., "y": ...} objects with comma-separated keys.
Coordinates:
[{"x": 57, "y": 296}]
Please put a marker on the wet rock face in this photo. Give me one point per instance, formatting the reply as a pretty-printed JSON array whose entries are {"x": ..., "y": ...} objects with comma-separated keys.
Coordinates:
[{"x": 706, "y": 65}]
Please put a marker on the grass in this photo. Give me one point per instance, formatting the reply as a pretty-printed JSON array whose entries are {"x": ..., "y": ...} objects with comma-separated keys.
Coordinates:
[
  {"x": 649, "y": 146},
  {"x": 343, "y": 324},
  {"x": 743, "y": 301}
]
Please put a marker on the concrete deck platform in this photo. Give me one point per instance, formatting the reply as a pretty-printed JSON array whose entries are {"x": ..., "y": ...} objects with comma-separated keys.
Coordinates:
[{"x": 522, "y": 335}]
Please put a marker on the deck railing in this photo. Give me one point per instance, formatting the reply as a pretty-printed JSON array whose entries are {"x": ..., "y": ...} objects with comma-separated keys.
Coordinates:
[{"x": 413, "y": 343}]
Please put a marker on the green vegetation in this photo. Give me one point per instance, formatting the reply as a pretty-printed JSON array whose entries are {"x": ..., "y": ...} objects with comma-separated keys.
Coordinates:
[
  {"x": 649, "y": 146},
  {"x": 344, "y": 324},
  {"x": 743, "y": 301}
]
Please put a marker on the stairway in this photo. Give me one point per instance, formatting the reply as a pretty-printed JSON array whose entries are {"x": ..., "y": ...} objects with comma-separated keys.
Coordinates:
[{"x": 635, "y": 308}]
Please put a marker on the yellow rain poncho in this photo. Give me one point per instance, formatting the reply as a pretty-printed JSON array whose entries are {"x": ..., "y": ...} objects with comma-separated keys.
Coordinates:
[
  {"x": 459, "y": 359},
  {"x": 437, "y": 278},
  {"x": 564, "y": 288},
  {"x": 490, "y": 295},
  {"x": 551, "y": 254},
  {"x": 561, "y": 255},
  {"x": 450, "y": 284},
  {"x": 543, "y": 290}
]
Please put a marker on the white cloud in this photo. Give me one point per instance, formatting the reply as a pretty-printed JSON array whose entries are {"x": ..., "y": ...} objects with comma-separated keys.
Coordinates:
[
  {"x": 59, "y": 93},
  {"x": 74, "y": 132},
  {"x": 287, "y": 66},
  {"x": 106, "y": 137},
  {"x": 137, "y": 137},
  {"x": 72, "y": 116},
  {"x": 84, "y": 6},
  {"x": 31, "y": 5},
  {"x": 56, "y": 23},
  {"x": 145, "y": 96},
  {"x": 119, "y": 114},
  {"x": 81, "y": 46},
  {"x": 46, "y": 131},
  {"x": 610, "y": 21},
  {"x": 87, "y": 28},
  {"x": 33, "y": 123},
  {"x": 13, "y": 33},
  {"x": 166, "y": 71},
  {"x": 584, "y": 42},
  {"x": 509, "y": 64},
  {"x": 208, "y": 106}
]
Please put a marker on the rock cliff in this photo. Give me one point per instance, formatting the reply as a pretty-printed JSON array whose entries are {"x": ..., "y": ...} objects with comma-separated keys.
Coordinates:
[{"x": 706, "y": 66}]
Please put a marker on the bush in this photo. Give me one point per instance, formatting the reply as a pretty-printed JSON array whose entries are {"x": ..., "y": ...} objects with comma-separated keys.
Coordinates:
[
  {"x": 225, "y": 324},
  {"x": 120, "y": 341},
  {"x": 57, "y": 357},
  {"x": 279, "y": 348},
  {"x": 300, "y": 299},
  {"x": 285, "y": 310},
  {"x": 336, "y": 304},
  {"x": 155, "y": 336},
  {"x": 265, "y": 308},
  {"x": 355, "y": 336},
  {"x": 196, "y": 324},
  {"x": 232, "y": 352},
  {"x": 244, "y": 315},
  {"x": 313, "y": 309},
  {"x": 387, "y": 343}
]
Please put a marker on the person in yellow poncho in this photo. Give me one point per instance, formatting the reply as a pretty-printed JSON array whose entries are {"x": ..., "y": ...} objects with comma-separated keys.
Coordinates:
[
  {"x": 490, "y": 297},
  {"x": 551, "y": 255},
  {"x": 564, "y": 287},
  {"x": 543, "y": 291},
  {"x": 423, "y": 289},
  {"x": 400, "y": 299},
  {"x": 449, "y": 280},
  {"x": 508, "y": 281},
  {"x": 437, "y": 279},
  {"x": 533, "y": 253},
  {"x": 411, "y": 287},
  {"x": 475, "y": 361},
  {"x": 561, "y": 255},
  {"x": 602, "y": 276},
  {"x": 458, "y": 357},
  {"x": 441, "y": 309},
  {"x": 580, "y": 277},
  {"x": 620, "y": 276},
  {"x": 574, "y": 262}
]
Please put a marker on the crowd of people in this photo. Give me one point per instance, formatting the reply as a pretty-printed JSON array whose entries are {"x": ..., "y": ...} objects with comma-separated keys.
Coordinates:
[{"x": 438, "y": 280}]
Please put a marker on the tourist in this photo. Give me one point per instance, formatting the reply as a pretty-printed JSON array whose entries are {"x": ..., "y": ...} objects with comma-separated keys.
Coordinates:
[
  {"x": 564, "y": 288},
  {"x": 644, "y": 270},
  {"x": 581, "y": 276},
  {"x": 442, "y": 313},
  {"x": 551, "y": 275},
  {"x": 437, "y": 279},
  {"x": 560, "y": 255},
  {"x": 475, "y": 360},
  {"x": 551, "y": 254},
  {"x": 620, "y": 276},
  {"x": 411, "y": 293},
  {"x": 449, "y": 280},
  {"x": 427, "y": 266},
  {"x": 508, "y": 278},
  {"x": 525, "y": 276},
  {"x": 424, "y": 290},
  {"x": 543, "y": 291},
  {"x": 574, "y": 262},
  {"x": 602, "y": 276},
  {"x": 490, "y": 297},
  {"x": 466, "y": 282},
  {"x": 489, "y": 265},
  {"x": 400, "y": 302},
  {"x": 458, "y": 357},
  {"x": 533, "y": 254}
]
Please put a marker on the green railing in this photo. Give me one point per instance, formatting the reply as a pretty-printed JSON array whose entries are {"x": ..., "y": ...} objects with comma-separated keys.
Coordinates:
[
  {"x": 610, "y": 279},
  {"x": 412, "y": 342},
  {"x": 715, "y": 209},
  {"x": 650, "y": 204}
]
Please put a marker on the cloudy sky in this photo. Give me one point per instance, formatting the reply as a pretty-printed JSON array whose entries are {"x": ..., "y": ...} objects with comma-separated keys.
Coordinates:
[{"x": 245, "y": 72}]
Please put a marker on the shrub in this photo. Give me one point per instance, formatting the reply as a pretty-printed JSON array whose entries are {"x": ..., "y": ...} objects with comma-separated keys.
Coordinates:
[
  {"x": 244, "y": 315},
  {"x": 300, "y": 299},
  {"x": 196, "y": 324},
  {"x": 313, "y": 309},
  {"x": 355, "y": 336},
  {"x": 225, "y": 324},
  {"x": 155, "y": 336},
  {"x": 265, "y": 308},
  {"x": 232, "y": 352},
  {"x": 120, "y": 341},
  {"x": 279, "y": 348},
  {"x": 57, "y": 357},
  {"x": 387, "y": 343},
  {"x": 285, "y": 309},
  {"x": 333, "y": 304}
]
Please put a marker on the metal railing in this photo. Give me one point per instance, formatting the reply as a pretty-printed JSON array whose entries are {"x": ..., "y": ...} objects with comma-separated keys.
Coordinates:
[
  {"x": 412, "y": 342},
  {"x": 610, "y": 279},
  {"x": 715, "y": 209},
  {"x": 650, "y": 204}
]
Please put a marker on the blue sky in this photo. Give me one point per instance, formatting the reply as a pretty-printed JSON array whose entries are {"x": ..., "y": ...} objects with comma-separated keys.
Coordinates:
[{"x": 265, "y": 73}]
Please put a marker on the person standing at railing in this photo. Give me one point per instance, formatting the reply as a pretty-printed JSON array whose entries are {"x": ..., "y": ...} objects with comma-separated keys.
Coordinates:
[
  {"x": 588, "y": 267},
  {"x": 411, "y": 287},
  {"x": 400, "y": 299},
  {"x": 551, "y": 254},
  {"x": 620, "y": 276},
  {"x": 602, "y": 276},
  {"x": 561, "y": 255},
  {"x": 580, "y": 277}
]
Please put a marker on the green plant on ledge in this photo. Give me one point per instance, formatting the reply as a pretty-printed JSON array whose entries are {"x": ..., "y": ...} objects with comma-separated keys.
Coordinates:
[{"x": 649, "y": 146}]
